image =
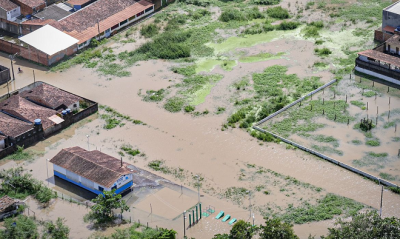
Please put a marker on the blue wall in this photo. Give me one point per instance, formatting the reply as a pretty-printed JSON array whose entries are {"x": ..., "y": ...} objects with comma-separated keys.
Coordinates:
[{"x": 119, "y": 190}]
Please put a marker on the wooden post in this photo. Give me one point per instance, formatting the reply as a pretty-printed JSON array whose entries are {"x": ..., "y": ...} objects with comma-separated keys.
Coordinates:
[
  {"x": 350, "y": 75},
  {"x": 334, "y": 105},
  {"x": 348, "y": 121},
  {"x": 311, "y": 107},
  {"x": 323, "y": 111},
  {"x": 376, "y": 123},
  {"x": 389, "y": 114},
  {"x": 335, "y": 117},
  {"x": 373, "y": 83}
]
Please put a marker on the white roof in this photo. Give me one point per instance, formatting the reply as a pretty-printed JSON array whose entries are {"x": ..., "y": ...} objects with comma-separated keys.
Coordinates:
[{"x": 49, "y": 40}]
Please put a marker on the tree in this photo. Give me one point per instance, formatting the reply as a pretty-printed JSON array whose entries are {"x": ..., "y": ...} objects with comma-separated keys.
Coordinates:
[
  {"x": 105, "y": 203},
  {"x": 242, "y": 230},
  {"x": 21, "y": 227},
  {"x": 58, "y": 230},
  {"x": 221, "y": 236},
  {"x": 275, "y": 229},
  {"x": 367, "y": 226}
]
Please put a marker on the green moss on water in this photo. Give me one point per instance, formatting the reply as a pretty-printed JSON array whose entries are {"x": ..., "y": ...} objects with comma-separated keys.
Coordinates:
[
  {"x": 207, "y": 65},
  {"x": 261, "y": 57},
  {"x": 248, "y": 40}
]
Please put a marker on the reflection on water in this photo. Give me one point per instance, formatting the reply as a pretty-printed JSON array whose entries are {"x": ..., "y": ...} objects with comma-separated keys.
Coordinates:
[{"x": 71, "y": 190}]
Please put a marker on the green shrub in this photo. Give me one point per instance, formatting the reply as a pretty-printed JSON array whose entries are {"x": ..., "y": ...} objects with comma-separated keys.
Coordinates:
[
  {"x": 154, "y": 96},
  {"x": 186, "y": 71},
  {"x": 232, "y": 14},
  {"x": 278, "y": 12},
  {"x": 255, "y": 29},
  {"x": 189, "y": 108},
  {"x": 149, "y": 30},
  {"x": 287, "y": 25},
  {"x": 174, "y": 104},
  {"x": 265, "y": 2},
  {"x": 268, "y": 27},
  {"x": 322, "y": 52},
  {"x": 199, "y": 13},
  {"x": 201, "y": 3},
  {"x": 373, "y": 143}
]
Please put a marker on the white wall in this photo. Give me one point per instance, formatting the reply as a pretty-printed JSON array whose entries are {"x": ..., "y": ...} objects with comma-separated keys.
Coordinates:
[
  {"x": 371, "y": 73},
  {"x": 11, "y": 15},
  {"x": 59, "y": 169},
  {"x": 72, "y": 108}
]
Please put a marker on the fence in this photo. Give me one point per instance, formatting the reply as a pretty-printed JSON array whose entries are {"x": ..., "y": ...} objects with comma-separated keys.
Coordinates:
[{"x": 348, "y": 167}]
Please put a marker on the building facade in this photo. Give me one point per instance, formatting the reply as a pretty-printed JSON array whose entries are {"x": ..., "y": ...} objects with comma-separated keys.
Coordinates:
[
  {"x": 9, "y": 10},
  {"x": 93, "y": 170}
]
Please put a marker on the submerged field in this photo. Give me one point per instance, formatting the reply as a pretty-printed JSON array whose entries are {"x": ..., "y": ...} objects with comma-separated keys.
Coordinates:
[{"x": 181, "y": 91}]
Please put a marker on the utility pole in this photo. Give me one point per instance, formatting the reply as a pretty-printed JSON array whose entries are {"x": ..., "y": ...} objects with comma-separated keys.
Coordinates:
[
  {"x": 12, "y": 66},
  {"x": 380, "y": 211}
]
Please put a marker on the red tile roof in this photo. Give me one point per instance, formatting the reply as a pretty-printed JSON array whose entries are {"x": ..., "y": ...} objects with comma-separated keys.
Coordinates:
[
  {"x": 389, "y": 29},
  {"x": 50, "y": 96},
  {"x": 7, "y": 5},
  {"x": 23, "y": 109},
  {"x": 93, "y": 165},
  {"x": 31, "y": 3},
  {"x": 377, "y": 55},
  {"x": 13, "y": 127},
  {"x": 78, "y": 2},
  {"x": 82, "y": 25}
]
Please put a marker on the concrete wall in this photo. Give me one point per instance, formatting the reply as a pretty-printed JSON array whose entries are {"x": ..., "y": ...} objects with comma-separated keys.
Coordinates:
[
  {"x": 4, "y": 75},
  {"x": 381, "y": 36},
  {"x": 379, "y": 71},
  {"x": 11, "y": 15},
  {"x": 390, "y": 19},
  {"x": 10, "y": 26}
]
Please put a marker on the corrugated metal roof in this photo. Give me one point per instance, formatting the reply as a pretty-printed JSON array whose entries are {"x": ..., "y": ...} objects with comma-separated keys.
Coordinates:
[{"x": 49, "y": 40}]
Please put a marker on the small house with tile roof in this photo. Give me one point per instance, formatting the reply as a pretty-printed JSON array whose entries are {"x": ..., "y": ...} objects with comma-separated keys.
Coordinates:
[
  {"x": 24, "y": 110},
  {"x": 8, "y": 207},
  {"x": 29, "y": 7},
  {"x": 51, "y": 97},
  {"x": 93, "y": 170},
  {"x": 9, "y": 10}
]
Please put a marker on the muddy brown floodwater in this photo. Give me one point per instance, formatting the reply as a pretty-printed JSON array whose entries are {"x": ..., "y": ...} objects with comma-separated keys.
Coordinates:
[{"x": 195, "y": 144}]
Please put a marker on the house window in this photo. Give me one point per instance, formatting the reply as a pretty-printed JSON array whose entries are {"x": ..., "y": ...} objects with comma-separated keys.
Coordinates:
[
  {"x": 114, "y": 27},
  {"x": 123, "y": 22},
  {"x": 101, "y": 189},
  {"x": 115, "y": 187},
  {"x": 75, "y": 105},
  {"x": 148, "y": 9},
  {"x": 131, "y": 18}
]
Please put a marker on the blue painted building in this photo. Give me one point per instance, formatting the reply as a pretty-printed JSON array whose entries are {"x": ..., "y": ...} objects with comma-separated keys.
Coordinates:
[{"x": 93, "y": 170}]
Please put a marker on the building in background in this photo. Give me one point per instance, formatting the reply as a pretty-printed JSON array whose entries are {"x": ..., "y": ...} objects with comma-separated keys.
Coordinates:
[
  {"x": 29, "y": 7},
  {"x": 93, "y": 170},
  {"x": 9, "y": 10},
  {"x": 390, "y": 21}
]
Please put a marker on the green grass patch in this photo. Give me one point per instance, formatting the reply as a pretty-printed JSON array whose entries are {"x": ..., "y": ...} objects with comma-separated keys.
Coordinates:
[
  {"x": 154, "y": 96},
  {"x": 387, "y": 176},
  {"x": 396, "y": 139},
  {"x": 113, "y": 118},
  {"x": 373, "y": 142},
  {"x": 312, "y": 29},
  {"x": 186, "y": 71},
  {"x": 326, "y": 149},
  {"x": 320, "y": 64},
  {"x": 326, "y": 208},
  {"x": 322, "y": 52},
  {"x": 149, "y": 30},
  {"x": 356, "y": 142},
  {"x": 174, "y": 104},
  {"x": 369, "y": 93},
  {"x": 261, "y": 57},
  {"x": 128, "y": 149},
  {"x": 357, "y": 103}
]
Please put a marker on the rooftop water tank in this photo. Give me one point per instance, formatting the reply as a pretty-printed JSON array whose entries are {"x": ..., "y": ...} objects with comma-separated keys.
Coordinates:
[
  {"x": 38, "y": 121},
  {"x": 64, "y": 112},
  {"x": 68, "y": 111}
]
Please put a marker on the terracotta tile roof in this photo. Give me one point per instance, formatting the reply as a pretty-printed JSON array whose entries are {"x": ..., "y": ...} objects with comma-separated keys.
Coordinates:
[
  {"x": 6, "y": 202},
  {"x": 377, "y": 55},
  {"x": 25, "y": 110},
  {"x": 50, "y": 96},
  {"x": 7, "y": 5},
  {"x": 93, "y": 165},
  {"x": 78, "y": 2},
  {"x": 389, "y": 29},
  {"x": 82, "y": 25},
  {"x": 31, "y": 3},
  {"x": 13, "y": 127}
]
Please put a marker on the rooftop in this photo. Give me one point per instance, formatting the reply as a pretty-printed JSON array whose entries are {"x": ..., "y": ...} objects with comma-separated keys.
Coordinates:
[
  {"x": 83, "y": 24},
  {"x": 93, "y": 165},
  {"x": 6, "y": 202},
  {"x": 394, "y": 8},
  {"x": 13, "y": 127},
  {"x": 25, "y": 110},
  {"x": 377, "y": 55},
  {"x": 78, "y": 2},
  {"x": 7, "y": 5},
  {"x": 53, "y": 42},
  {"x": 52, "y": 12},
  {"x": 50, "y": 96},
  {"x": 32, "y": 3},
  {"x": 394, "y": 40}
]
